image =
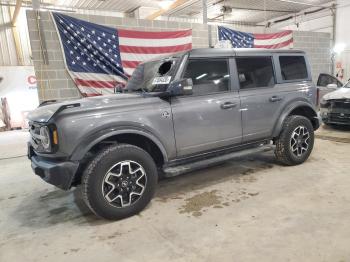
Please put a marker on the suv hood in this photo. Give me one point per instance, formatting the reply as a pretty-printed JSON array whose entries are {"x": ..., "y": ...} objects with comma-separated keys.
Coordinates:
[
  {"x": 341, "y": 93},
  {"x": 45, "y": 113}
]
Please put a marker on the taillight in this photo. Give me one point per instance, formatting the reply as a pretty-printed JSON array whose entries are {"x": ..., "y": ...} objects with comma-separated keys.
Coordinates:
[{"x": 317, "y": 97}]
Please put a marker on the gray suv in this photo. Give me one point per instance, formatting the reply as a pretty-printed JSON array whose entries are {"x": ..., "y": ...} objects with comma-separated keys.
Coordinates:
[{"x": 176, "y": 114}]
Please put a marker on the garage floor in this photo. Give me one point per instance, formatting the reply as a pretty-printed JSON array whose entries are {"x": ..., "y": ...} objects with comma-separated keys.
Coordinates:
[{"x": 248, "y": 209}]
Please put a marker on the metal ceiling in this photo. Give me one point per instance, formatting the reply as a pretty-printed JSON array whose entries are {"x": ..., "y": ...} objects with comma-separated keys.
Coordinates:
[{"x": 246, "y": 11}]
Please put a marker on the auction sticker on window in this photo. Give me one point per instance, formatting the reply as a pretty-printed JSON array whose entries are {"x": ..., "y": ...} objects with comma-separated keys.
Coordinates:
[{"x": 162, "y": 80}]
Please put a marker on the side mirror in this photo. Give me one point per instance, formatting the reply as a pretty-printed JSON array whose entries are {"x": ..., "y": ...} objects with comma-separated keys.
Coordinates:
[
  {"x": 181, "y": 87},
  {"x": 332, "y": 86}
]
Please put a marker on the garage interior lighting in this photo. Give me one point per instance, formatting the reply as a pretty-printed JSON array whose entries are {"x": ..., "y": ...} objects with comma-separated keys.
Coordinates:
[
  {"x": 165, "y": 4},
  {"x": 339, "y": 48}
]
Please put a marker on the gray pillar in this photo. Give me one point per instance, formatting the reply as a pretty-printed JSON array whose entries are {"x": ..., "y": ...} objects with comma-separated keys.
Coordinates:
[{"x": 205, "y": 20}]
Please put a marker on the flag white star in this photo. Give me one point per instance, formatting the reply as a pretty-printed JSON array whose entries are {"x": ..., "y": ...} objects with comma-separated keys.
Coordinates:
[
  {"x": 98, "y": 38},
  {"x": 94, "y": 64},
  {"x": 114, "y": 46},
  {"x": 84, "y": 63},
  {"x": 78, "y": 58},
  {"x": 73, "y": 62},
  {"x": 93, "y": 32},
  {"x": 71, "y": 52},
  {"x": 103, "y": 34},
  {"x": 113, "y": 36},
  {"x": 104, "y": 44},
  {"x": 109, "y": 40},
  {"x": 65, "y": 31},
  {"x": 82, "y": 29}
]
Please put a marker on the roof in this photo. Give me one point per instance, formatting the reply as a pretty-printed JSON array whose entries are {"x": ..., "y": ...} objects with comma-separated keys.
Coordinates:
[{"x": 238, "y": 51}]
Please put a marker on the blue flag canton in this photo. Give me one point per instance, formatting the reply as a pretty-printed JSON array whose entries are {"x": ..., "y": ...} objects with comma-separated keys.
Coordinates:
[
  {"x": 238, "y": 39},
  {"x": 88, "y": 47}
]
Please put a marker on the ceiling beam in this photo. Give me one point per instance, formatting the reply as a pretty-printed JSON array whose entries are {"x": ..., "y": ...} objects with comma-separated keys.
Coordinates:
[
  {"x": 160, "y": 12},
  {"x": 16, "y": 12},
  {"x": 298, "y": 3}
]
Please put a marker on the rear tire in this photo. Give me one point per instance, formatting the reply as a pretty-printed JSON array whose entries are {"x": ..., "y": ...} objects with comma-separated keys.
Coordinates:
[
  {"x": 119, "y": 182},
  {"x": 296, "y": 141}
]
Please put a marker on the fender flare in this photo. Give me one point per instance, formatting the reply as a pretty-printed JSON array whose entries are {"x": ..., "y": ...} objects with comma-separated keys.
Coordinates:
[
  {"x": 90, "y": 141},
  {"x": 292, "y": 106}
]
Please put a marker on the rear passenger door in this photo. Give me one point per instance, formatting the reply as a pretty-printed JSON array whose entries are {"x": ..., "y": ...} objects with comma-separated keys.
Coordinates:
[{"x": 261, "y": 103}]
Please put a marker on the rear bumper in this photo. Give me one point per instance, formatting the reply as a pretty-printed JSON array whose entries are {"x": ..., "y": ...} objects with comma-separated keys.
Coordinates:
[{"x": 59, "y": 174}]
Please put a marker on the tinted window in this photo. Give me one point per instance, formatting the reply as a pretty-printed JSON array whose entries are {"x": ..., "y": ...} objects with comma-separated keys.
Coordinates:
[
  {"x": 324, "y": 80},
  {"x": 208, "y": 76},
  {"x": 293, "y": 67},
  {"x": 255, "y": 72}
]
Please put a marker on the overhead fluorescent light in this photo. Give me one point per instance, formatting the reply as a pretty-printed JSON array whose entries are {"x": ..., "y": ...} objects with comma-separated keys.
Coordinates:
[{"x": 165, "y": 4}]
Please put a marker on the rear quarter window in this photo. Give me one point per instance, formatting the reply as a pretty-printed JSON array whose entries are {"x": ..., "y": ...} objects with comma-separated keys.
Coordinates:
[{"x": 293, "y": 68}]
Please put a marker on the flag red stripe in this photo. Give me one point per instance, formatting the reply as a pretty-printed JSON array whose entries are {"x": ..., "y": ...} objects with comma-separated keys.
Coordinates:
[
  {"x": 154, "y": 50},
  {"x": 153, "y": 35},
  {"x": 272, "y": 36},
  {"x": 276, "y": 46},
  {"x": 96, "y": 83},
  {"x": 130, "y": 64}
]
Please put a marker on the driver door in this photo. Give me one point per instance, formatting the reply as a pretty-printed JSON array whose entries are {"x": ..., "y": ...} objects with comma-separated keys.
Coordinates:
[{"x": 211, "y": 117}]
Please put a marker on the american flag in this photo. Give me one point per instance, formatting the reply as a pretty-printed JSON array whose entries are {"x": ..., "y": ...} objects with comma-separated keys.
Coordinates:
[
  {"x": 240, "y": 39},
  {"x": 99, "y": 58}
]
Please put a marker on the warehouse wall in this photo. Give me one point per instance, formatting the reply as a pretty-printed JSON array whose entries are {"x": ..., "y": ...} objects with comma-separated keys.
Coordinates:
[
  {"x": 318, "y": 48},
  {"x": 53, "y": 80},
  {"x": 55, "y": 83}
]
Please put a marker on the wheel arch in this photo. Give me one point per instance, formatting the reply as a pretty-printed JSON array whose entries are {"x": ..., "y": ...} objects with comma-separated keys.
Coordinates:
[
  {"x": 140, "y": 138},
  {"x": 297, "y": 108}
]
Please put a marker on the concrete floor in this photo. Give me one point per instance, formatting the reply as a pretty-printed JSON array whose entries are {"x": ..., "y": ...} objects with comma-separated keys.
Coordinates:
[{"x": 248, "y": 209}]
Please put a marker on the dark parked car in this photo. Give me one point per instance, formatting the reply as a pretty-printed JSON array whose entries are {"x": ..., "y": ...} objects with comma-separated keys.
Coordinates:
[
  {"x": 180, "y": 113},
  {"x": 335, "y": 106}
]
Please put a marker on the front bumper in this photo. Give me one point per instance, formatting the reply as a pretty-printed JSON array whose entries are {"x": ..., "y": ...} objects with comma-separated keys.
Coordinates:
[{"x": 57, "y": 173}]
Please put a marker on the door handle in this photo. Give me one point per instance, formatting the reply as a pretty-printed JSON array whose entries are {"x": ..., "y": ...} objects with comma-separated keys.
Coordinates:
[
  {"x": 275, "y": 98},
  {"x": 228, "y": 105}
]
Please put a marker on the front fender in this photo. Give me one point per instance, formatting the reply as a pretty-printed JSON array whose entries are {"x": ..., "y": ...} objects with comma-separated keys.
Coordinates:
[
  {"x": 87, "y": 143},
  {"x": 286, "y": 112}
]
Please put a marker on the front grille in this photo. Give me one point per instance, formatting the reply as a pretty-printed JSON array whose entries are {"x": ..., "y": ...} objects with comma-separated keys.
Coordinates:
[
  {"x": 339, "y": 117},
  {"x": 341, "y": 104},
  {"x": 34, "y": 130}
]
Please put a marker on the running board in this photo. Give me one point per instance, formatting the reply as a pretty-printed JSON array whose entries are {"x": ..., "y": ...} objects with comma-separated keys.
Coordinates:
[{"x": 181, "y": 169}]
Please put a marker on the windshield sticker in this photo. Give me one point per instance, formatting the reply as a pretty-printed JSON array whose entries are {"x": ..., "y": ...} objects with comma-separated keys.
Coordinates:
[{"x": 162, "y": 80}]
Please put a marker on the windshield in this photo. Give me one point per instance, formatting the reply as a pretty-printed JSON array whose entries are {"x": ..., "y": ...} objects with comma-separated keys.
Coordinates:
[
  {"x": 152, "y": 76},
  {"x": 347, "y": 85}
]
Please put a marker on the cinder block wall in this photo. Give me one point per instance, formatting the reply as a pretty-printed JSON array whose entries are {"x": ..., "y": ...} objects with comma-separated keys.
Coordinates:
[
  {"x": 55, "y": 83},
  {"x": 317, "y": 46},
  {"x": 53, "y": 80}
]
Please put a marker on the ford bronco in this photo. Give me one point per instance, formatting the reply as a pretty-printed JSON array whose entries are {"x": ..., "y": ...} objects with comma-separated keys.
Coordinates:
[{"x": 176, "y": 114}]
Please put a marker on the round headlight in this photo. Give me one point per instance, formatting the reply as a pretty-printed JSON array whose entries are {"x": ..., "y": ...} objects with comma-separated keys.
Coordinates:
[{"x": 45, "y": 137}]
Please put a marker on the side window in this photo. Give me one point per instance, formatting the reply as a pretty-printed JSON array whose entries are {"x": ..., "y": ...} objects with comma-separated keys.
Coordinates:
[
  {"x": 208, "y": 75},
  {"x": 325, "y": 79},
  {"x": 254, "y": 72},
  {"x": 293, "y": 67}
]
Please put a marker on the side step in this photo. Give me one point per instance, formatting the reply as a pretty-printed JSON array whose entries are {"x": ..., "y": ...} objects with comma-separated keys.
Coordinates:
[{"x": 181, "y": 169}]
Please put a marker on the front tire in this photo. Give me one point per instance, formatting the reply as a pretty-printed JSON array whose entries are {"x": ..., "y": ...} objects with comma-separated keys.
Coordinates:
[
  {"x": 119, "y": 182},
  {"x": 296, "y": 141}
]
